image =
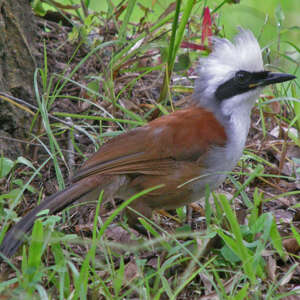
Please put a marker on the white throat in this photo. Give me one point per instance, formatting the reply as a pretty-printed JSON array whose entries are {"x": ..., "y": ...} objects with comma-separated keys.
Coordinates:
[{"x": 235, "y": 117}]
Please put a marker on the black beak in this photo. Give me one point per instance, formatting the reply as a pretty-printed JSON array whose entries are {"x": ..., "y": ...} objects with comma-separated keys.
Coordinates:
[{"x": 276, "y": 78}]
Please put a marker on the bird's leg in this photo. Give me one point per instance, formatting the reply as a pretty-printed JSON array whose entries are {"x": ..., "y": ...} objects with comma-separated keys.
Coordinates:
[{"x": 141, "y": 207}]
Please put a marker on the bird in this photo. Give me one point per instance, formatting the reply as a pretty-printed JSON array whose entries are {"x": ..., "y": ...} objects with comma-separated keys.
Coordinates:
[{"x": 183, "y": 152}]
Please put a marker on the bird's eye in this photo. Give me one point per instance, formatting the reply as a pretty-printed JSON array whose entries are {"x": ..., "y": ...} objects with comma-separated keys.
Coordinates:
[{"x": 242, "y": 77}]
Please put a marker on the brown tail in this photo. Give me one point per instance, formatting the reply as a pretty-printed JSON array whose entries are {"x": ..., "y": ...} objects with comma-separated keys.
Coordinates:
[{"x": 55, "y": 203}]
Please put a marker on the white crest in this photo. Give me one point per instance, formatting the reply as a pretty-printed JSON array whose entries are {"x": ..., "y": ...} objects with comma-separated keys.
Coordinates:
[
  {"x": 243, "y": 54},
  {"x": 224, "y": 61}
]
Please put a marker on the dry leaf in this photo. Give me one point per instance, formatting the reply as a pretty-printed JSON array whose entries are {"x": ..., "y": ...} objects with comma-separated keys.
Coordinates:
[
  {"x": 131, "y": 271},
  {"x": 271, "y": 268},
  {"x": 291, "y": 245}
]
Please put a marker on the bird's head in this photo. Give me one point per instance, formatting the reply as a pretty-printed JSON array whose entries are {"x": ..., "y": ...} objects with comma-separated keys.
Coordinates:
[{"x": 232, "y": 76}]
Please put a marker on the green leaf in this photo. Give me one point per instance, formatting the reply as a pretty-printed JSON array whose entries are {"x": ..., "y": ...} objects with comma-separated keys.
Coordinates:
[
  {"x": 243, "y": 293},
  {"x": 181, "y": 212},
  {"x": 6, "y": 166},
  {"x": 36, "y": 245},
  {"x": 24, "y": 161},
  {"x": 155, "y": 233},
  {"x": 12, "y": 195},
  {"x": 186, "y": 228},
  {"x": 229, "y": 255},
  {"x": 94, "y": 86},
  {"x": 63, "y": 283},
  {"x": 118, "y": 281},
  {"x": 277, "y": 240},
  {"x": 296, "y": 234},
  {"x": 183, "y": 63},
  {"x": 20, "y": 183},
  {"x": 237, "y": 245}
]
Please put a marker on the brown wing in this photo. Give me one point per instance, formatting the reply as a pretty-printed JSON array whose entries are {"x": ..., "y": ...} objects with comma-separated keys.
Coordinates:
[{"x": 152, "y": 149}]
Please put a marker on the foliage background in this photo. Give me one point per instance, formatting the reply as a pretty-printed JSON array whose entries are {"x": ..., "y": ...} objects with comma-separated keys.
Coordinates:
[{"x": 267, "y": 19}]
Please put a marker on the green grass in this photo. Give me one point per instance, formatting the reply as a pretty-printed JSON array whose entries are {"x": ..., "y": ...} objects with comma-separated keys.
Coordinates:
[{"x": 60, "y": 264}]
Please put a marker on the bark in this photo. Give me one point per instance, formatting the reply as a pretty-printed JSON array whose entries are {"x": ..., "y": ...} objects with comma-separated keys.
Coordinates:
[{"x": 18, "y": 60}]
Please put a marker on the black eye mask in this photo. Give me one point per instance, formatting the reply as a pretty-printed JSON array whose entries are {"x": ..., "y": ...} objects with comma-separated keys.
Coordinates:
[{"x": 242, "y": 82}]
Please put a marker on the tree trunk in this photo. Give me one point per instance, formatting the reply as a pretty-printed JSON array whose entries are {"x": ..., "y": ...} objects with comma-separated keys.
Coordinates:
[{"x": 18, "y": 60}]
